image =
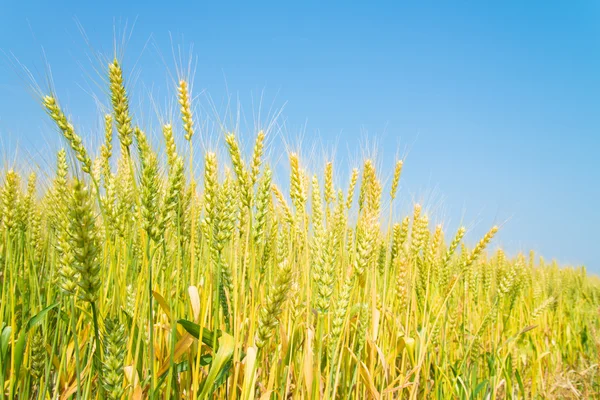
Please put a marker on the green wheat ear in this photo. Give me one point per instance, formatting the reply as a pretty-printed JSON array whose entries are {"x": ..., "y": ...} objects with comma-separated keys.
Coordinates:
[
  {"x": 257, "y": 157},
  {"x": 297, "y": 190},
  {"x": 244, "y": 179},
  {"x": 10, "y": 197},
  {"x": 120, "y": 104},
  {"x": 171, "y": 149},
  {"x": 68, "y": 132},
  {"x": 85, "y": 245},
  {"x": 268, "y": 317},
  {"x": 114, "y": 354},
  {"x": 150, "y": 197},
  {"x": 37, "y": 350},
  {"x": 351, "y": 188},
  {"x": 396, "y": 179},
  {"x": 183, "y": 96},
  {"x": 263, "y": 201}
]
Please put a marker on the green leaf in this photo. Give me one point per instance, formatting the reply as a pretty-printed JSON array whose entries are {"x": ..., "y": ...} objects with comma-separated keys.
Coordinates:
[
  {"x": 194, "y": 330},
  {"x": 220, "y": 362},
  {"x": 508, "y": 371},
  {"x": 222, "y": 377},
  {"x": 4, "y": 339},
  {"x": 479, "y": 388},
  {"x": 205, "y": 359},
  {"x": 20, "y": 352},
  {"x": 22, "y": 341},
  {"x": 36, "y": 319},
  {"x": 179, "y": 368},
  {"x": 520, "y": 382},
  {"x": 132, "y": 327}
]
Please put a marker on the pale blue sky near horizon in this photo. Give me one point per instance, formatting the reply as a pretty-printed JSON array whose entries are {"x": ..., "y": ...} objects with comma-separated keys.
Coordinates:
[{"x": 496, "y": 107}]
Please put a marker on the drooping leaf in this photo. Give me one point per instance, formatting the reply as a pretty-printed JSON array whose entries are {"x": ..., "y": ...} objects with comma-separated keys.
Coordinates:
[
  {"x": 4, "y": 340},
  {"x": 194, "y": 329},
  {"x": 220, "y": 361},
  {"x": 22, "y": 340},
  {"x": 36, "y": 319},
  {"x": 520, "y": 382},
  {"x": 479, "y": 388}
]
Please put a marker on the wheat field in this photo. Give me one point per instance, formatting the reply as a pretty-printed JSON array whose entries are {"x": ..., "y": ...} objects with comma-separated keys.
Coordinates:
[{"x": 128, "y": 275}]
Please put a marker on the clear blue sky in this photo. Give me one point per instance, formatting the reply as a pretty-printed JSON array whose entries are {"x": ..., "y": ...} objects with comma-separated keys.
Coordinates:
[{"x": 499, "y": 105}]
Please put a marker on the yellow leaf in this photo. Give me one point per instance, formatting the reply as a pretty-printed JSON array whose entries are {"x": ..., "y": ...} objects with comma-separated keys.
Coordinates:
[
  {"x": 376, "y": 317},
  {"x": 163, "y": 304},
  {"x": 195, "y": 302},
  {"x": 249, "y": 374},
  {"x": 138, "y": 393},
  {"x": 381, "y": 356},
  {"x": 308, "y": 360},
  {"x": 366, "y": 377},
  {"x": 180, "y": 347},
  {"x": 131, "y": 375},
  {"x": 266, "y": 395}
]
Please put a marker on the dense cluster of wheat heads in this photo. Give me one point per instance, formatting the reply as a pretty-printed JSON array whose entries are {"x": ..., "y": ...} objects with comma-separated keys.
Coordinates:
[{"x": 127, "y": 276}]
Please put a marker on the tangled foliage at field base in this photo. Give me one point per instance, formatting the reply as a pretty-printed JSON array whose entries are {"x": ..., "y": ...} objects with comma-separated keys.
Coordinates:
[{"x": 128, "y": 276}]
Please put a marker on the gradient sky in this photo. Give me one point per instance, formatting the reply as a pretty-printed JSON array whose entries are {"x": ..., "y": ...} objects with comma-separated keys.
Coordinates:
[{"x": 495, "y": 107}]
